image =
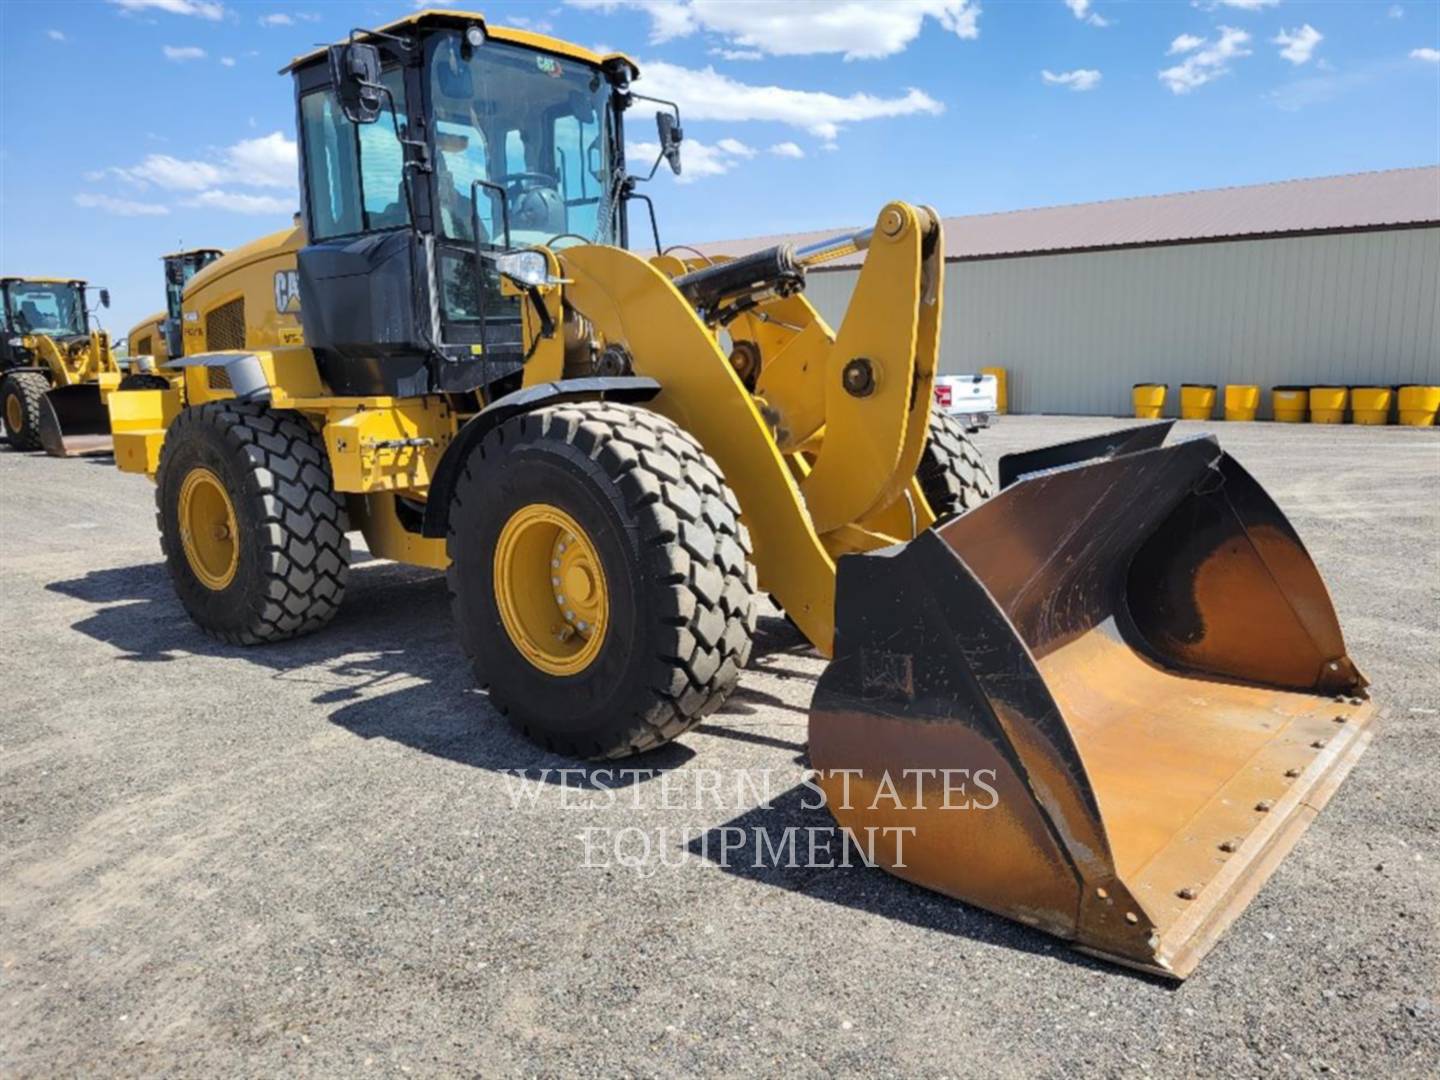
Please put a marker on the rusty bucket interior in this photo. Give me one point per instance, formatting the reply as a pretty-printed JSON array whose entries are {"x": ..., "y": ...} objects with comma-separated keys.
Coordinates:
[
  {"x": 74, "y": 421},
  {"x": 1131, "y": 670}
]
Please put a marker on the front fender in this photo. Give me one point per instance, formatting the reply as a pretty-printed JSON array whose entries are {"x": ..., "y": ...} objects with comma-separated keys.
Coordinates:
[{"x": 628, "y": 388}]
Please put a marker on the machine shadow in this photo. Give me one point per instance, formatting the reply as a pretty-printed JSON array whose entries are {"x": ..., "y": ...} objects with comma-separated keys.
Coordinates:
[
  {"x": 388, "y": 667},
  {"x": 747, "y": 846}
]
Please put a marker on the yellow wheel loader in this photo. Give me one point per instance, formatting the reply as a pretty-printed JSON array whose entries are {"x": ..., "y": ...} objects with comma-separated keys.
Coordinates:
[
  {"x": 157, "y": 338},
  {"x": 1103, "y": 699},
  {"x": 55, "y": 368}
]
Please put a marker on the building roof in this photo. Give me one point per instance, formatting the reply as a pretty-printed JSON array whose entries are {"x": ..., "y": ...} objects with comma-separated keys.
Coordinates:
[{"x": 1374, "y": 200}]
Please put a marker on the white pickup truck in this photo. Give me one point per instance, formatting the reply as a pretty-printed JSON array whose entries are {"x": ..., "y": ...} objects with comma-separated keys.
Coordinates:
[{"x": 972, "y": 398}]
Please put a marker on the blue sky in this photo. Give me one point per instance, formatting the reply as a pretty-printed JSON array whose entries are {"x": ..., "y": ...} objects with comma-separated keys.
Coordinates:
[{"x": 130, "y": 126}]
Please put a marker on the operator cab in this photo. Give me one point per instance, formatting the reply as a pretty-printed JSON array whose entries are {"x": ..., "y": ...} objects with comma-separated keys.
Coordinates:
[
  {"x": 53, "y": 307},
  {"x": 180, "y": 267},
  {"x": 43, "y": 306},
  {"x": 428, "y": 148}
]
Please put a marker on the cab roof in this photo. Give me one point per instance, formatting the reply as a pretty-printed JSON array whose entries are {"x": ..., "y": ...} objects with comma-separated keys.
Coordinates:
[
  {"x": 447, "y": 17},
  {"x": 31, "y": 280},
  {"x": 192, "y": 251}
]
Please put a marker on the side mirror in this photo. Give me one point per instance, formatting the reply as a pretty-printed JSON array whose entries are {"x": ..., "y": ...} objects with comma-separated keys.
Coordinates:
[
  {"x": 671, "y": 136},
  {"x": 355, "y": 74},
  {"x": 105, "y": 298}
]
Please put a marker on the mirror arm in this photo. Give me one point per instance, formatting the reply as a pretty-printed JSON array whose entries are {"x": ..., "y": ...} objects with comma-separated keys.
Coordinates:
[{"x": 628, "y": 192}]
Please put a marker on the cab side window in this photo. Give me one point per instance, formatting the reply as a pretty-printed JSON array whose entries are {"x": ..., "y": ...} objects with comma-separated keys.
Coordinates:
[{"x": 355, "y": 172}]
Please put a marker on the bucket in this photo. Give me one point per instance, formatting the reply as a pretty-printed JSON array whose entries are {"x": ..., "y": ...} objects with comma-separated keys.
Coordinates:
[
  {"x": 1371, "y": 404},
  {"x": 1139, "y": 656},
  {"x": 1149, "y": 400},
  {"x": 1418, "y": 405},
  {"x": 1290, "y": 403},
  {"x": 1327, "y": 404},
  {"x": 1242, "y": 401},
  {"x": 1197, "y": 401},
  {"x": 1002, "y": 389}
]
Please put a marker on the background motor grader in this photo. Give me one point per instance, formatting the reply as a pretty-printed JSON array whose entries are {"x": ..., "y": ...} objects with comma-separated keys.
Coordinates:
[
  {"x": 610, "y": 456},
  {"x": 54, "y": 367}
]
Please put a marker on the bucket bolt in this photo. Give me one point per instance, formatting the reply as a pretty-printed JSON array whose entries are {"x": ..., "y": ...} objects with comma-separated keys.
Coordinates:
[{"x": 1189, "y": 892}]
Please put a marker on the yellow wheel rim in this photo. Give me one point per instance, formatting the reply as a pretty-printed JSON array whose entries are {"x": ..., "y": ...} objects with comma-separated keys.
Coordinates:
[
  {"x": 550, "y": 589},
  {"x": 14, "y": 414},
  {"x": 207, "y": 529}
]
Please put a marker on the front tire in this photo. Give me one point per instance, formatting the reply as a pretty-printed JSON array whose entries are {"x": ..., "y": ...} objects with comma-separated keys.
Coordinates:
[
  {"x": 252, "y": 529},
  {"x": 656, "y": 530},
  {"x": 21, "y": 395}
]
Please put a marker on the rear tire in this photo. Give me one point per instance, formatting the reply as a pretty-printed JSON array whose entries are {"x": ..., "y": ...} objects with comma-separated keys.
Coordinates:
[
  {"x": 20, "y": 398},
  {"x": 680, "y": 592},
  {"x": 289, "y": 558},
  {"x": 952, "y": 473}
]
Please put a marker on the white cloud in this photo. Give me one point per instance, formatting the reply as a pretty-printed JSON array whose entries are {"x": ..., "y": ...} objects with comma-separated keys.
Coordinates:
[
  {"x": 697, "y": 159},
  {"x": 227, "y": 61},
  {"x": 120, "y": 207},
  {"x": 708, "y": 95},
  {"x": 267, "y": 161},
  {"x": 858, "y": 29},
  {"x": 1184, "y": 43},
  {"x": 1081, "y": 10},
  {"x": 239, "y": 203},
  {"x": 1396, "y": 12},
  {"x": 201, "y": 9},
  {"x": 736, "y": 147},
  {"x": 1079, "y": 80},
  {"x": 787, "y": 149},
  {"x": 1238, "y": 5},
  {"x": 181, "y": 53},
  {"x": 1430, "y": 56},
  {"x": 737, "y": 54},
  {"x": 55, "y": 35},
  {"x": 1206, "y": 62},
  {"x": 1298, "y": 46},
  {"x": 279, "y": 18},
  {"x": 540, "y": 26},
  {"x": 170, "y": 173}
]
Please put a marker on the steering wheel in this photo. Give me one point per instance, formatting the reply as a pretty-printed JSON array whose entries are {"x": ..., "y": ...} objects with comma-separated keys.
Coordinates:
[{"x": 535, "y": 201}]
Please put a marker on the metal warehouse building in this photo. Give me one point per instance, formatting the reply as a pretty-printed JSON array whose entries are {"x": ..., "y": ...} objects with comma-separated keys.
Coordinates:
[{"x": 1307, "y": 282}]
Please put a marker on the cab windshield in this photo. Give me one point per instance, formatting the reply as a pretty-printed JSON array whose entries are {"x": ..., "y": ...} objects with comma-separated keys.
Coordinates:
[
  {"x": 530, "y": 124},
  {"x": 51, "y": 308}
]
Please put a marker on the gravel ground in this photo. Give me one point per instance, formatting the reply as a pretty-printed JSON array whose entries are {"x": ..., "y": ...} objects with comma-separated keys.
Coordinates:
[{"x": 317, "y": 857}]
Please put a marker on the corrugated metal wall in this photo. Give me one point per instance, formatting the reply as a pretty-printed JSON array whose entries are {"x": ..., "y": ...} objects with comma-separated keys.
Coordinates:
[{"x": 1076, "y": 331}]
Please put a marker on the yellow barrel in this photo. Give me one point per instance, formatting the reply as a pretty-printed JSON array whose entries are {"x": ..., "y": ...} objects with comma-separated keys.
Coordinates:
[
  {"x": 1371, "y": 404},
  {"x": 1002, "y": 393},
  {"x": 1418, "y": 405},
  {"x": 1197, "y": 401},
  {"x": 1149, "y": 399},
  {"x": 1327, "y": 404},
  {"x": 1242, "y": 401},
  {"x": 1290, "y": 403}
]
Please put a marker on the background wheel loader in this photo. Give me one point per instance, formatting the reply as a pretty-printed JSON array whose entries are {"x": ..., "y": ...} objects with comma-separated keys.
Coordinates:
[
  {"x": 609, "y": 456},
  {"x": 54, "y": 367},
  {"x": 157, "y": 338}
]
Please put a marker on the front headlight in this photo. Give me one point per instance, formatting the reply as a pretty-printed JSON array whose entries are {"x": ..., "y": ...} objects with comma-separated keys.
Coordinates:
[
  {"x": 17, "y": 342},
  {"x": 525, "y": 267}
]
